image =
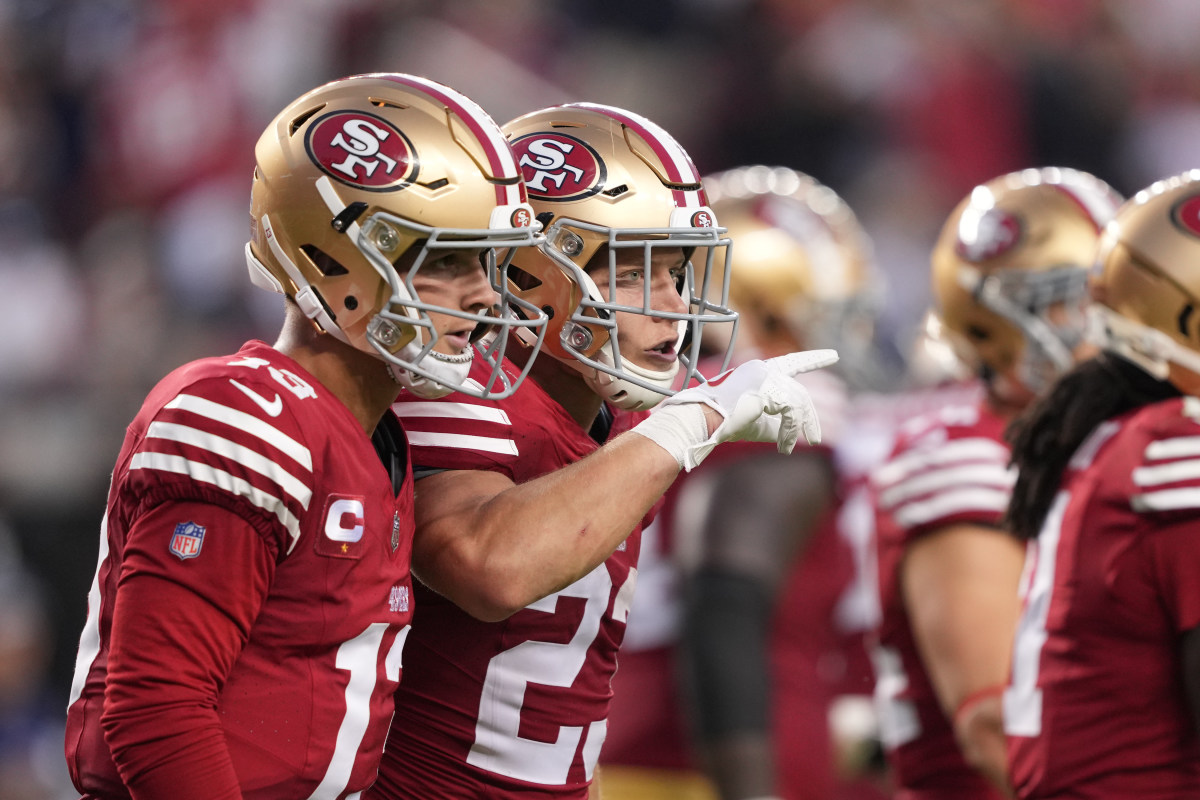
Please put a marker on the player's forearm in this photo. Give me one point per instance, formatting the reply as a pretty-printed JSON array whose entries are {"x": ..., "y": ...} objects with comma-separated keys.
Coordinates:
[
  {"x": 170, "y": 652},
  {"x": 191, "y": 765},
  {"x": 535, "y": 538},
  {"x": 979, "y": 729}
]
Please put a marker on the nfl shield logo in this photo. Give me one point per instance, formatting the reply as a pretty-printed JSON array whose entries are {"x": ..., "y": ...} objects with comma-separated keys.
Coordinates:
[{"x": 187, "y": 539}]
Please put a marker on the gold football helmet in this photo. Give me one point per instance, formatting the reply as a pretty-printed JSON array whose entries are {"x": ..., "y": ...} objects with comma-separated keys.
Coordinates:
[
  {"x": 1010, "y": 271},
  {"x": 603, "y": 180},
  {"x": 355, "y": 183},
  {"x": 802, "y": 267},
  {"x": 1146, "y": 285}
]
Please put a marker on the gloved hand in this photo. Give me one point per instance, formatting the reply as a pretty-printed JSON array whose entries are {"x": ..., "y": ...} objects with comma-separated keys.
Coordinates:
[{"x": 759, "y": 401}]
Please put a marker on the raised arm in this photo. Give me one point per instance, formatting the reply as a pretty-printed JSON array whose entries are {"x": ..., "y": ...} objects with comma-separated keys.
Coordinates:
[{"x": 493, "y": 546}]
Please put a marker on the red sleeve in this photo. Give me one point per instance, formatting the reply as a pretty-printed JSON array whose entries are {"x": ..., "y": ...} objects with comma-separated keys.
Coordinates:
[
  {"x": 178, "y": 627},
  {"x": 1174, "y": 551}
]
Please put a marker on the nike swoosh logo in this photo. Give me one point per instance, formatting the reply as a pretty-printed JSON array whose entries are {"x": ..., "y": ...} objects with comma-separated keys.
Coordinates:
[{"x": 272, "y": 407}]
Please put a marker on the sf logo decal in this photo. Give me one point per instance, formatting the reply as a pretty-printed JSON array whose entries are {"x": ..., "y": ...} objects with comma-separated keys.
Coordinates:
[
  {"x": 546, "y": 158},
  {"x": 361, "y": 140},
  {"x": 559, "y": 167},
  {"x": 362, "y": 150}
]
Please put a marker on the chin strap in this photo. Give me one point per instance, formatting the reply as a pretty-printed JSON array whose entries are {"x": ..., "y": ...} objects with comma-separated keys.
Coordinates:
[
  {"x": 452, "y": 370},
  {"x": 625, "y": 394}
]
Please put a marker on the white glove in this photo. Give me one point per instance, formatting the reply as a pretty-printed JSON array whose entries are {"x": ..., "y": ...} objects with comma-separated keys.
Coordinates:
[{"x": 759, "y": 401}]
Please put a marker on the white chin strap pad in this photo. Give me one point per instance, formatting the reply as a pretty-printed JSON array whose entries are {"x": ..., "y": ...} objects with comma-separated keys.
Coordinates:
[
  {"x": 450, "y": 373},
  {"x": 623, "y": 393}
]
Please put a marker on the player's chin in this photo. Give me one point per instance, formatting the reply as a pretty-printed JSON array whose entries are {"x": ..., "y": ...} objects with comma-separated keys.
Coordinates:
[{"x": 658, "y": 360}]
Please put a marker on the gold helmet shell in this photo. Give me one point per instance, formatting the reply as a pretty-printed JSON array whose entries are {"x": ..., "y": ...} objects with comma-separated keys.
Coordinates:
[
  {"x": 1010, "y": 271},
  {"x": 603, "y": 179},
  {"x": 355, "y": 183},
  {"x": 1146, "y": 284},
  {"x": 802, "y": 268}
]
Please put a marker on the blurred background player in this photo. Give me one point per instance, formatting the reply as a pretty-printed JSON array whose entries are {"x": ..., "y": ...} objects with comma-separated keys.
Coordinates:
[
  {"x": 1105, "y": 692},
  {"x": 1009, "y": 279},
  {"x": 531, "y": 507},
  {"x": 742, "y": 632},
  {"x": 253, "y": 591}
]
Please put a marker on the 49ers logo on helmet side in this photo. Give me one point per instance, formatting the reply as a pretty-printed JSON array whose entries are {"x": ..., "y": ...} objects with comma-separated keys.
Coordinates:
[
  {"x": 521, "y": 218},
  {"x": 993, "y": 232},
  {"x": 362, "y": 150},
  {"x": 1186, "y": 214},
  {"x": 559, "y": 167}
]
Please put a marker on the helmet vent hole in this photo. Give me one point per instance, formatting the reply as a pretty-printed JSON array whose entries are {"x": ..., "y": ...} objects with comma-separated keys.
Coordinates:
[
  {"x": 303, "y": 118},
  {"x": 379, "y": 102},
  {"x": 616, "y": 191},
  {"x": 521, "y": 279},
  {"x": 324, "y": 262},
  {"x": 351, "y": 302},
  {"x": 439, "y": 183},
  {"x": 977, "y": 333},
  {"x": 1185, "y": 316}
]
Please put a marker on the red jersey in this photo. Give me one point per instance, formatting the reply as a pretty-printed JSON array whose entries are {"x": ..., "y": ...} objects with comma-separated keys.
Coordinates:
[
  {"x": 947, "y": 467},
  {"x": 1096, "y": 706},
  {"x": 251, "y": 486},
  {"x": 518, "y": 708}
]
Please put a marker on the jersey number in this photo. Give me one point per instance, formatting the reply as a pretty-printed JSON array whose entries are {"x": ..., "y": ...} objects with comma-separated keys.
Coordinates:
[
  {"x": 498, "y": 746},
  {"x": 1023, "y": 698},
  {"x": 360, "y": 657},
  {"x": 898, "y": 720}
]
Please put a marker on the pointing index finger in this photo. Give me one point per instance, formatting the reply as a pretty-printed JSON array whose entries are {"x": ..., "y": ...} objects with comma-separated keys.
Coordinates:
[{"x": 804, "y": 361}]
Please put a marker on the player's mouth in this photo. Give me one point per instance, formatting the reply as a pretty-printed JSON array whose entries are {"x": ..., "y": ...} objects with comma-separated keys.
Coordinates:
[
  {"x": 663, "y": 353},
  {"x": 458, "y": 340}
]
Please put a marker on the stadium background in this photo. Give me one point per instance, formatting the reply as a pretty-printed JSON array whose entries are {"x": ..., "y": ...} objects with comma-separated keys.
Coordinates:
[{"x": 126, "y": 135}]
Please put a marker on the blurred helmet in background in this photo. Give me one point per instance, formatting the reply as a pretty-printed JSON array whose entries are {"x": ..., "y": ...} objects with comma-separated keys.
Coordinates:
[
  {"x": 1146, "y": 284},
  {"x": 1010, "y": 272},
  {"x": 803, "y": 271}
]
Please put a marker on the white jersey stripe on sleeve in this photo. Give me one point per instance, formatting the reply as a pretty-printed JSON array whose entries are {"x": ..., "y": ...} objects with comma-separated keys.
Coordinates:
[
  {"x": 960, "y": 450},
  {"x": 1178, "y": 447},
  {"x": 204, "y": 473},
  {"x": 987, "y": 475},
  {"x": 947, "y": 503},
  {"x": 460, "y": 441},
  {"x": 1167, "y": 473},
  {"x": 244, "y": 422},
  {"x": 231, "y": 451},
  {"x": 452, "y": 411},
  {"x": 1166, "y": 500}
]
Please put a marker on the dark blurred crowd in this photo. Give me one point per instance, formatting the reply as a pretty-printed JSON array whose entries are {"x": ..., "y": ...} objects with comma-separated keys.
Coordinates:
[{"x": 126, "y": 143}]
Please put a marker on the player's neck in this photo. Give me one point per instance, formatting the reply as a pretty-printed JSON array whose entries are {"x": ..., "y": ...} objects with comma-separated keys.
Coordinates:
[
  {"x": 358, "y": 379},
  {"x": 566, "y": 386}
]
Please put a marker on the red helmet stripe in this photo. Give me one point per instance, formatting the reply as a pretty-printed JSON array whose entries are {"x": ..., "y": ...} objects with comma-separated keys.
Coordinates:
[
  {"x": 487, "y": 132},
  {"x": 675, "y": 160}
]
